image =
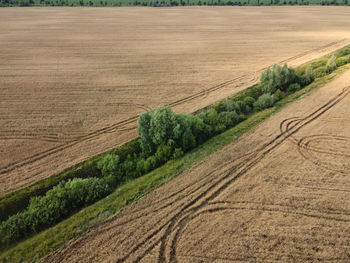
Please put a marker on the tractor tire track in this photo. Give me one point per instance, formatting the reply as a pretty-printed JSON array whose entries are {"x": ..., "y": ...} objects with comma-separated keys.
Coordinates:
[
  {"x": 180, "y": 219},
  {"x": 246, "y": 167},
  {"x": 303, "y": 143},
  {"x": 121, "y": 125}
]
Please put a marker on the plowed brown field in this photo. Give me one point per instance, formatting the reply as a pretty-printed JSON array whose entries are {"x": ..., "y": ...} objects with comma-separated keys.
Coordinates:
[
  {"x": 73, "y": 80},
  {"x": 278, "y": 194}
]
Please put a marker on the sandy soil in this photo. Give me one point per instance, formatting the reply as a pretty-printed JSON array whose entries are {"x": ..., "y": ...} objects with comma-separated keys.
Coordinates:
[
  {"x": 74, "y": 80},
  {"x": 278, "y": 194}
]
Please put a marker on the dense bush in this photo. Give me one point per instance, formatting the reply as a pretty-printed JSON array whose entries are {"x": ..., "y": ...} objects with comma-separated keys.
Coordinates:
[
  {"x": 277, "y": 77},
  {"x": 164, "y": 126},
  {"x": 278, "y": 95},
  {"x": 178, "y": 152},
  {"x": 343, "y": 52},
  {"x": 57, "y": 204},
  {"x": 164, "y": 135},
  {"x": 110, "y": 164},
  {"x": 307, "y": 78},
  {"x": 293, "y": 87},
  {"x": 320, "y": 72},
  {"x": 249, "y": 101},
  {"x": 264, "y": 101},
  {"x": 343, "y": 60},
  {"x": 331, "y": 64}
]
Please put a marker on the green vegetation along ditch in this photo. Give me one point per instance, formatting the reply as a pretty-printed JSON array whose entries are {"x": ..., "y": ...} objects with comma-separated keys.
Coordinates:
[{"x": 164, "y": 135}]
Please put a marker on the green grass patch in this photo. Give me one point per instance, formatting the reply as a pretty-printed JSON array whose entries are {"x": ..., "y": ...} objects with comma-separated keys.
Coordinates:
[
  {"x": 45, "y": 242},
  {"x": 16, "y": 201}
]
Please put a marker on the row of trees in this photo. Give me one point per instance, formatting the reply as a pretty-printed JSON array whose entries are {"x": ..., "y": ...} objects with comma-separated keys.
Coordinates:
[
  {"x": 163, "y": 135},
  {"x": 57, "y": 204},
  {"x": 6, "y": 3}
]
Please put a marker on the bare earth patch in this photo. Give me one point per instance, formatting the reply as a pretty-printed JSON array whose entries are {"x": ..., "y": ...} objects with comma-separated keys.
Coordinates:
[
  {"x": 74, "y": 80},
  {"x": 278, "y": 194}
]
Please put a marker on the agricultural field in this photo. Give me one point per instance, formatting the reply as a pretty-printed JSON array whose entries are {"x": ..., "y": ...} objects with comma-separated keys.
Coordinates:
[
  {"x": 74, "y": 80},
  {"x": 166, "y": 3},
  {"x": 277, "y": 194}
]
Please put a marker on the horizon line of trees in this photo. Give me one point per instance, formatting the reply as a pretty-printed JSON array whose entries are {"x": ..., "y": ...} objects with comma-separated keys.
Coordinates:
[{"x": 27, "y": 3}]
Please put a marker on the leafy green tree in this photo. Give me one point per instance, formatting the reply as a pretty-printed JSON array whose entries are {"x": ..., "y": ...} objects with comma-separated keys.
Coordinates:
[
  {"x": 278, "y": 95},
  {"x": 277, "y": 77},
  {"x": 163, "y": 153},
  {"x": 293, "y": 87},
  {"x": 229, "y": 118},
  {"x": 143, "y": 130},
  {"x": 58, "y": 203},
  {"x": 200, "y": 130},
  {"x": 140, "y": 167},
  {"x": 162, "y": 124},
  {"x": 188, "y": 140},
  {"x": 308, "y": 76},
  {"x": 129, "y": 167},
  {"x": 110, "y": 165},
  {"x": 264, "y": 101},
  {"x": 249, "y": 101}
]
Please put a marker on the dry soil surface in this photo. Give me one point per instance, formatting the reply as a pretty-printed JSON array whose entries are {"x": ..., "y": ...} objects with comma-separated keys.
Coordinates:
[
  {"x": 278, "y": 194},
  {"x": 74, "y": 80}
]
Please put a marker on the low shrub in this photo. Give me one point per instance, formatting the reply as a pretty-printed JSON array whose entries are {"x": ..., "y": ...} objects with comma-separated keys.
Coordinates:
[
  {"x": 343, "y": 52},
  {"x": 178, "y": 152},
  {"x": 229, "y": 118},
  {"x": 331, "y": 64},
  {"x": 163, "y": 135},
  {"x": 320, "y": 72},
  {"x": 110, "y": 164},
  {"x": 57, "y": 204},
  {"x": 278, "y": 95},
  {"x": 319, "y": 63},
  {"x": 293, "y": 87},
  {"x": 308, "y": 77},
  {"x": 249, "y": 101},
  {"x": 264, "y": 101},
  {"x": 253, "y": 92},
  {"x": 343, "y": 60}
]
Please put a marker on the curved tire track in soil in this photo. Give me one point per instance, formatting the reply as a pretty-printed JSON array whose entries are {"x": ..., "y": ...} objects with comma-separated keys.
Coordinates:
[
  {"x": 217, "y": 207},
  {"x": 308, "y": 151},
  {"x": 303, "y": 143},
  {"x": 16, "y": 135},
  {"x": 241, "y": 169},
  {"x": 167, "y": 233},
  {"x": 121, "y": 125}
]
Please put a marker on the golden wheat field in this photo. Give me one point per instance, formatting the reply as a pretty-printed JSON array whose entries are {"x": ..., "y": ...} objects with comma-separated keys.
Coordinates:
[
  {"x": 74, "y": 80},
  {"x": 278, "y": 194}
]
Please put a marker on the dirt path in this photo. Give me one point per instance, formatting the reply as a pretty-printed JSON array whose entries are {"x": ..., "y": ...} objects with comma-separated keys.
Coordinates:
[
  {"x": 278, "y": 194},
  {"x": 71, "y": 88}
]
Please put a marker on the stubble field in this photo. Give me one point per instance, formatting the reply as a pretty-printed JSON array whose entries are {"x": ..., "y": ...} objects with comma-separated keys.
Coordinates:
[
  {"x": 278, "y": 194},
  {"x": 73, "y": 80}
]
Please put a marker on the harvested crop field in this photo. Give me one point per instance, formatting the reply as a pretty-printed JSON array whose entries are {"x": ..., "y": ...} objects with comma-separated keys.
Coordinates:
[
  {"x": 278, "y": 194},
  {"x": 73, "y": 80}
]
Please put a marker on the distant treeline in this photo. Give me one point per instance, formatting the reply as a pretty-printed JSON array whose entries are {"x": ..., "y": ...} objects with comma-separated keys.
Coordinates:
[{"x": 152, "y": 3}]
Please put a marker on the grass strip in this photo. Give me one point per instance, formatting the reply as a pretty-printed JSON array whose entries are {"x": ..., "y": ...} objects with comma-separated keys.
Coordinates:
[
  {"x": 16, "y": 201},
  {"x": 45, "y": 242}
]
